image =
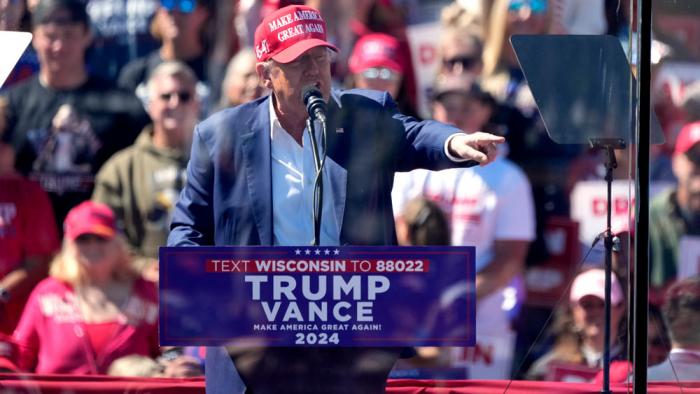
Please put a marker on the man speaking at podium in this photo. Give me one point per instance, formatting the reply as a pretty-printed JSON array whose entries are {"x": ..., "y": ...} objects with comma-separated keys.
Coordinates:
[{"x": 250, "y": 181}]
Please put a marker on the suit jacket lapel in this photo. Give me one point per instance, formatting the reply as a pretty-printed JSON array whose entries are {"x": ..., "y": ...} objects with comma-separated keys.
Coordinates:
[
  {"x": 336, "y": 172},
  {"x": 256, "y": 150}
]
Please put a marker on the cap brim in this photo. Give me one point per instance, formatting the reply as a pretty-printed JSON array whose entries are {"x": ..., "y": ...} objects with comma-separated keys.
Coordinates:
[
  {"x": 613, "y": 298},
  {"x": 97, "y": 229},
  {"x": 6, "y": 364},
  {"x": 693, "y": 153},
  {"x": 290, "y": 54},
  {"x": 588, "y": 294},
  {"x": 391, "y": 65}
]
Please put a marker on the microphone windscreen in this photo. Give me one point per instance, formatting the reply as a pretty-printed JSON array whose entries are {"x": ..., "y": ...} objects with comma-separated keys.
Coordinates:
[{"x": 309, "y": 91}]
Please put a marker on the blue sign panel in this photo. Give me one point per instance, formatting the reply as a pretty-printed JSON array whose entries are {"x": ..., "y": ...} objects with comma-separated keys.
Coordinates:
[{"x": 317, "y": 296}]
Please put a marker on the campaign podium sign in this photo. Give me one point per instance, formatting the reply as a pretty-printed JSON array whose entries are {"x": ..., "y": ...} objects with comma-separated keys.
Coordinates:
[{"x": 317, "y": 296}]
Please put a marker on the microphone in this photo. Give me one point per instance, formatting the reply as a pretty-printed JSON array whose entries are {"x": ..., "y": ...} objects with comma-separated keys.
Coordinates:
[{"x": 313, "y": 100}]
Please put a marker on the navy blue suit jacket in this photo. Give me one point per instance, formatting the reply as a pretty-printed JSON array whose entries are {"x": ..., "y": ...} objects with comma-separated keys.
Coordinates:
[{"x": 228, "y": 196}]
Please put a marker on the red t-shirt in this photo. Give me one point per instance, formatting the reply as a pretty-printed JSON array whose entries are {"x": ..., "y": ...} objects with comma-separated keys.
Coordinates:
[
  {"x": 27, "y": 229},
  {"x": 100, "y": 334},
  {"x": 27, "y": 226}
]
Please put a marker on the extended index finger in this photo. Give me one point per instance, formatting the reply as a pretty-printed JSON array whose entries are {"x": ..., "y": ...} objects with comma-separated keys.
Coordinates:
[{"x": 482, "y": 137}]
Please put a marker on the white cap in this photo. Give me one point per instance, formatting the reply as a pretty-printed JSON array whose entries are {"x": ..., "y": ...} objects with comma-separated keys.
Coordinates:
[{"x": 592, "y": 282}]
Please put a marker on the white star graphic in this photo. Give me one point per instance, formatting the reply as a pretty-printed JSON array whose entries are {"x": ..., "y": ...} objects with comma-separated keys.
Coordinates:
[
  {"x": 336, "y": 252},
  {"x": 317, "y": 252},
  {"x": 297, "y": 252},
  {"x": 307, "y": 252},
  {"x": 326, "y": 252}
]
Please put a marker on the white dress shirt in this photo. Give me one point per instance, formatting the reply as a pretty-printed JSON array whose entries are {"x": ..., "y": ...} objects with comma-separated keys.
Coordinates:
[{"x": 293, "y": 173}]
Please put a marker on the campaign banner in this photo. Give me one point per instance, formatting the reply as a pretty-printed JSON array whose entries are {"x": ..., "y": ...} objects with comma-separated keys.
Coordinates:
[
  {"x": 549, "y": 279},
  {"x": 317, "y": 296},
  {"x": 570, "y": 372},
  {"x": 424, "y": 41},
  {"x": 589, "y": 204}
]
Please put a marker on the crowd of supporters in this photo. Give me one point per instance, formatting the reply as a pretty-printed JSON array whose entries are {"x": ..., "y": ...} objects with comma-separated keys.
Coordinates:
[{"x": 96, "y": 123}]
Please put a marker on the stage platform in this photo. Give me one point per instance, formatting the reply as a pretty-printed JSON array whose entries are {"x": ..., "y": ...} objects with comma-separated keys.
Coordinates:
[{"x": 63, "y": 384}]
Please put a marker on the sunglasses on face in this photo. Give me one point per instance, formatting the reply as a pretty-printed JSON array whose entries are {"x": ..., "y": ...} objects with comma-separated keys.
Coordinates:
[
  {"x": 185, "y": 6},
  {"x": 183, "y": 97},
  {"x": 536, "y": 6},
  {"x": 383, "y": 74},
  {"x": 467, "y": 62}
]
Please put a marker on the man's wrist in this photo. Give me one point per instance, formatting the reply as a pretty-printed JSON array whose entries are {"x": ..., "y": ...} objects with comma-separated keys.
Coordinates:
[{"x": 447, "y": 149}]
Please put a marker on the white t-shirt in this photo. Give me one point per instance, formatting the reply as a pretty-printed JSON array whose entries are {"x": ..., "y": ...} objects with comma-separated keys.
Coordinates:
[{"x": 482, "y": 204}]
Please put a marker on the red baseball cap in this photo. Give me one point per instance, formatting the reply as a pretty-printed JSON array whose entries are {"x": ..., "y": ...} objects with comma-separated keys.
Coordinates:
[
  {"x": 592, "y": 282},
  {"x": 288, "y": 32},
  {"x": 687, "y": 138},
  {"x": 90, "y": 218},
  {"x": 376, "y": 50}
]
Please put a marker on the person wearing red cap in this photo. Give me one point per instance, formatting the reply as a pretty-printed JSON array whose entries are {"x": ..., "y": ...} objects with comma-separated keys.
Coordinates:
[
  {"x": 675, "y": 213},
  {"x": 376, "y": 63},
  {"x": 250, "y": 182},
  {"x": 93, "y": 308}
]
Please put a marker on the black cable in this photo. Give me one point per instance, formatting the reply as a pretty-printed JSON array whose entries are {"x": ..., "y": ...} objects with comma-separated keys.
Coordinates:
[
  {"x": 556, "y": 306},
  {"x": 319, "y": 163},
  {"x": 643, "y": 133}
]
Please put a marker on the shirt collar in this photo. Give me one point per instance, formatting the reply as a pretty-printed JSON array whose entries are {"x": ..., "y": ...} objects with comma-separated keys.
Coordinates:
[
  {"x": 693, "y": 353},
  {"x": 275, "y": 125}
]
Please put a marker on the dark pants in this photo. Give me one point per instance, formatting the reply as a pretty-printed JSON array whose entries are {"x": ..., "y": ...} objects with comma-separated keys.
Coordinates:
[{"x": 314, "y": 370}]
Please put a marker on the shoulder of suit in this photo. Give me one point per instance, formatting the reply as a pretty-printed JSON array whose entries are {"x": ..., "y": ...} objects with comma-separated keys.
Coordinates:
[
  {"x": 227, "y": 119},
  {"x": 374, "y": 95},
  {"x": 372, "y": 102}
]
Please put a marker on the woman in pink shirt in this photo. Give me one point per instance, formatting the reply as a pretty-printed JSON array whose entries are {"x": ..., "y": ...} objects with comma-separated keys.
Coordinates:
[{"x": 94, "y": 308}]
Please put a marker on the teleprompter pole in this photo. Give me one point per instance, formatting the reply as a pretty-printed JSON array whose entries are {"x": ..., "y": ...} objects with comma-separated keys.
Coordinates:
[
  {"x": 608, "y": 146},
  {"x": 641, "y": 266}
]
